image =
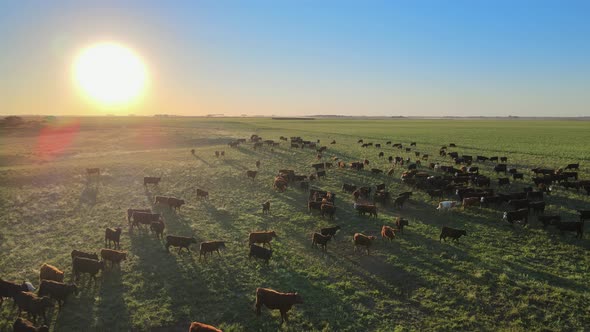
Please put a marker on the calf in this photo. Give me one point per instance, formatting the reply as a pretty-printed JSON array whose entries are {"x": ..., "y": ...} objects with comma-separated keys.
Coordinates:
[
  {"x": 151, "y": 180},
  {"x": 112, "y": 235},
  {"x": 91, "y": 171},
  {"x": 10, "y": 289},
  {"x": 363, "y": 241},
  {"x": 180, "y": 242},
  {"x": 387, "y": 232},
  {"x": 157, "y": 227},
  {"x": 57, "y": 290},
  {"x": 266, "y": 207},
  {"x": 251, "y": 174},
  {"x": 210, "y": 247},
  {"x": 446, "y": 205},
  {"x": 260, "y": 253},
  {"x": 275, "y": 300},
  {"x": 262, "y": 237},
  {"x": 328, "y": 209},
  {"x": 518, "y": 215},
  {"x": 454, "y": 234},
  {"x": 400, "y": 223},
  {"x": 469, "y": 201},
  {"x": 571, "y": 226},
  {"x": 113, "y": 256},
  {"x": 362, "y": 209},
  {"x": 175, "y": 203},
  {"x": 50, "y": 272},
  {"x": 320, "y": 239},
  {"x": 202, "y": 194},
  {"x": 23, "y": 325},
  {"x": 201, "y": 327},
  {"x": 32, "y": 304},
  {"x": 331, "y": 231}
]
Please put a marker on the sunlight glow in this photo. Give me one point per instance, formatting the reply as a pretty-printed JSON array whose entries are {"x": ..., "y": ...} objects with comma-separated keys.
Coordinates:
[{"x": 110, "y": 74}]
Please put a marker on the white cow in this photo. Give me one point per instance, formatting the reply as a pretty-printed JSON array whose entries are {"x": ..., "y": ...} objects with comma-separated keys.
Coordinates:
[{"x": 446, "y": 205}]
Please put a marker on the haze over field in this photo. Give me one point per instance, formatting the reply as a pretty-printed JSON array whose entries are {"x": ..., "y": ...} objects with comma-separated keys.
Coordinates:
[{"x": 425, "y": 58}]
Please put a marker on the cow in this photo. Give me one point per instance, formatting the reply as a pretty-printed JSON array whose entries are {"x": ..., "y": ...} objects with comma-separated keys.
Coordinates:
[
  {"x": 584, "y": 214},
  {"x": 251, "y": 174},
  {"x": 322, "y": 240},
  {"x": 376, "y": 171},
  {"x": 349, "y": 188},
  {"x": 537, "y": 207},
  {"x": 503, "y": 182},
  {"x": 257, "y": 163},
  {"x": 362, "y": 209},
  {"x": 113, "y": 256},
  {"x": 549, "y": 220},
  {"x": 266, "y": 207},
  {"x": 469, "y": 201},
  {"x": 161, "y": 200},
  {"x": 399, "y": 201},
  {"x": 320, "y": 174},
  {"x": 314, "y": 205},
  {"x": 275, "y": 300},
  {"x": 453, "y": 233},
  {"x": 328, "y": 209},
  {"x": 435, "y": 193},
  {"x": 500, "y": 168},
  {"x": 23, "y": 325},
  {"x": 202, "y": 327},
  {"x": 400, "y": 223},
  {"x": 263, "y": 237},
  {"x": 518, "y": 215},
  {"x": 333, "y": 142},
  {"x": 144, "y": 218},
  {"x": 362, "y": 240},
  {"x": 503, "y": 159},
  {"x": 91, "y": 171},
  {"x": 210, "y": 247},
  {"x": 86, "y": 265},
  {"x": 446, "y": 205},
  {"x": 57, "y": 290},
  {"x": 387, "y": 233},
  {"x": 260, "y": 253},
  {"x": 180, "y": 242},
  {"x": 32, "y": 304},
  {"x": 381, "y": 154},
  {"x": 518, "y": 203},
  {"x": 112, "y": 235},
  {"x": 517, "y": 176},
  {"x": 50, "y": 272},
  {"x": 573, "y": 166},
  {"x": 10, "y": 289},
  {"x": 485, "y": 201},
  {"x": 175, "y": 203},
  {"x": 571, "y": 226},
  {"x": 151, "y": 180},
  {"x": 77, "y": 253},
  {"x": 330, "y": 231},
  {"x": 131, "y": 211},
  {"x": 202, "y": 194},
  {"x": 157, "y": 227}
]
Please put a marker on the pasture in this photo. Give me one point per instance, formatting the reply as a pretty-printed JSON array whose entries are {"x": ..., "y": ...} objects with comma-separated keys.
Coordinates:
[{"x": 498, "y": 277}]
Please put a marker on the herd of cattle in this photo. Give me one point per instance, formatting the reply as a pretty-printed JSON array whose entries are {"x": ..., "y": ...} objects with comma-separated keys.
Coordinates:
[{"x": 460, "y": 179}]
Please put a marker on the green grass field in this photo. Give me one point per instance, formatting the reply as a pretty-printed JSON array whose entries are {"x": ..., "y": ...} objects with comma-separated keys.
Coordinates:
[{"x": 499, "y": 277}]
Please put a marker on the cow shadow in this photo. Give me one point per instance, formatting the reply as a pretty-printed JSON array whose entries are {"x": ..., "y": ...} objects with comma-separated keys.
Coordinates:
[
  {"x": 88, "y": 196},
  {"x": 112, "y": 312}
]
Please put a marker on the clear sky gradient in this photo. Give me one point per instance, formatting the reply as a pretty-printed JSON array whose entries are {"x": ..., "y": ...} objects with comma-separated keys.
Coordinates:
[{"x": 428, "y": 58}]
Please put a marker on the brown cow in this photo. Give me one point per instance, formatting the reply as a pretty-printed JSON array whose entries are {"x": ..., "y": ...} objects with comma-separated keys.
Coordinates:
[
  {"x": 112, "y": 235},
  {"x": 210, "y": 247},
  {"x": 50, "y": 272},
  {"x": 201, "y": 327},
  {"x": 251, "y": 174},
  {"x": 469, "y": 201},
  {"x": 276, "y": 300},
  {"x": 320, "y": 239},
  {"x": 387, "y": 232},
  {"x": 266, "y": 207},
  {"x": 363, "y": 240},
  {"x": 262, "y": 237}
]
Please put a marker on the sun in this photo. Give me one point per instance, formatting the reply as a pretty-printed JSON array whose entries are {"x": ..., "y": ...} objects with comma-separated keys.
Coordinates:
[{"x": 110, "y": 74}]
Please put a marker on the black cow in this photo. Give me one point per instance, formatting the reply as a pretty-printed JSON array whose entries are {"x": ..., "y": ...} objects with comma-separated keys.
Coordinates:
[
  {"x": 571, "y": 226},
  {"x": 331, "y": 231},
  {"x": 518, "y": 215},
  {"x": 453, "y": 233}
]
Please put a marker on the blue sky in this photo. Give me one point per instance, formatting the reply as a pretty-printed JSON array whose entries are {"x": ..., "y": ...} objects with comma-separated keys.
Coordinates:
[{"x": 431, "y": 58}]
